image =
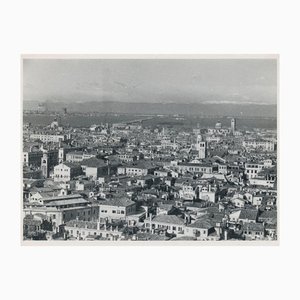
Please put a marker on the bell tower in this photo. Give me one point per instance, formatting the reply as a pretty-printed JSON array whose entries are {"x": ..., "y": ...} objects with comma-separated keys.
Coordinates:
[
  {"x": 61, "y": 155},
  {"x": 201, "y": 147},
  {"x": 45, "y": 165},
  {"x": 233, "y": 125}
]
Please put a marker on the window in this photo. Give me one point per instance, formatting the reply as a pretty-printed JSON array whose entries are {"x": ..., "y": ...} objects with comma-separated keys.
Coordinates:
[
  {"x": 174, "y": 228},
  {"x": 113, "y": 211},
  {"x": 122, "y": 212}
]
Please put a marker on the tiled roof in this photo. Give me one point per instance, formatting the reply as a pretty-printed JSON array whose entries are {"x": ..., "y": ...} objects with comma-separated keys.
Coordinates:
[
  {"x": 202, "y": 224},
  {"x": 165, "y": 206},
  {"x": 82, "y": 224},
  {"x": 250, "y": 214},
  {"x": 45, "y": 189},
  {"x": 194, "y": 165},
  {"x": 271, "y": 226},
  {"x": 93, "y": 163},
  {"x": 49, "y": 194},
  {"x": 67, "y": 202},
  {"x": 71, "y": 165},
  {"x": 269, "y": 214},
  {"x": 62, "y": 197},
  {"x": 171, "y": 219},
  {"x": 118, "y": 202},
  {"x": 253, "y": 226},
  {"x": 142, "y": 165}
]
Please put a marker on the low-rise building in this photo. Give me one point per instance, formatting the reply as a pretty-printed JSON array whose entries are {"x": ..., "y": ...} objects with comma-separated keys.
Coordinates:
[
  {"x": 194, "y": 168},
  {"x": 253, "y": 169},
  {"x": 47, "y": 138},
  {"x": 201, "y": 229},
  {"x": 89, "y": 230},
  {"x": 248, "y": 216},
  {"x": 60, "y": 209},
  {"x": 95, "y": 168},
  {"x": 171, "y": 223},
  {"x": 256, "y": 144},
  {"x": 253, "y": 231},
  {"x": 142, "y": 168},
  {"x": 66, "y": 171},
  {"x": 117, "y": 208},
  {"x": 78, "y": 156}
]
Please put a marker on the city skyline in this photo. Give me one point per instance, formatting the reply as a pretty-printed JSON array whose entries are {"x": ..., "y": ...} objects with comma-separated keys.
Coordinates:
[{"x": 150, "y": 171}]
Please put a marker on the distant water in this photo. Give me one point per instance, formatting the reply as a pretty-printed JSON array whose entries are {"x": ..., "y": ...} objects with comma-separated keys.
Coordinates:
[
  {"x": 188, "y": 122},
  {"x": 75, "y": 120}
]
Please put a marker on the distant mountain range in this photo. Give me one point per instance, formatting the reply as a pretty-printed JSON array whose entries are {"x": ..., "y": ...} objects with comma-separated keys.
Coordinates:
[{"x": 202, "y": 109}]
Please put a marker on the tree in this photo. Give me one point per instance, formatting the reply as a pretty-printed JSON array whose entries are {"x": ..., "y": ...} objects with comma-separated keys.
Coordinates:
[{"x": 46, "y": 225}]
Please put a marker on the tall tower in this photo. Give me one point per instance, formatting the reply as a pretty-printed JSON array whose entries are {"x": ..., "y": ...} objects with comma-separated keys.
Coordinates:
[
  {"x": 201, "y": 147},
  {"x": 45, "y": 165},
  {"x": 233, "y": 125},
  {"x": 61, "y": 155}
]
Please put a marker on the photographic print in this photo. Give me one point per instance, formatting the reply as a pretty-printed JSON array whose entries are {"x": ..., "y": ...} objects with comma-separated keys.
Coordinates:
[{"x": 164, "y": 149}]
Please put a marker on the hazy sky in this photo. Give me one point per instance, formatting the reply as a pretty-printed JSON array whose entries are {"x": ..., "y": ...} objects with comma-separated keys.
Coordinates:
[{"x": 150, "y": 80}]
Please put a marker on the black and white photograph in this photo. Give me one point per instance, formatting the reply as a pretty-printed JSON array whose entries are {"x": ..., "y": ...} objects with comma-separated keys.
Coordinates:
[
  {"x": 156, "y": 149},
  {"x": 149, "y": 149}
]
